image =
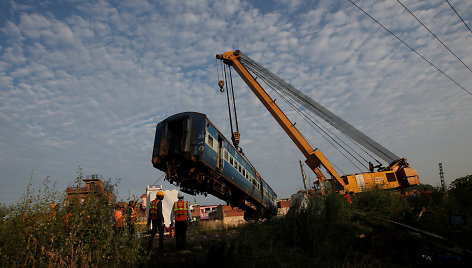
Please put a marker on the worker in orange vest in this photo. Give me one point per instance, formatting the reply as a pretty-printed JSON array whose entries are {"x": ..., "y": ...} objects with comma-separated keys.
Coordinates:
[
  {"x": 157, "y": 219},
  {"x": 348, "y": 197},
  {"x": 181, "y": 214},
  {"x": 131, "y": 219},
  {"x": 119, "y": 219}
]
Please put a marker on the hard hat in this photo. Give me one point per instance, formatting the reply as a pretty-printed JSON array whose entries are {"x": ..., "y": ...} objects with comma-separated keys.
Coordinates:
[
  {"x": 160, "y": 193},
  {"x": 180, "y": 195}
]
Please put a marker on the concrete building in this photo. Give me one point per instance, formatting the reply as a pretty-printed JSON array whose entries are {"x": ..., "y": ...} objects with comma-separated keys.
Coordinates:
[
  {"x": 143, "y": 201},
  {"x": 227, "y": 215},
  {"x": 201, "y": 213},
  {"x": 282, "y": 206}
]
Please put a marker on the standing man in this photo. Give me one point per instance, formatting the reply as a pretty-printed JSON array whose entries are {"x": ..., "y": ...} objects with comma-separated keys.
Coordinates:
[
  {"x": 155, "y": 216},
  {"x": 119, "y": 220},
  {"x": 348, "y": 197},
  {"x": 131, "y": 219},
  {"x": 181, "y": 213}
]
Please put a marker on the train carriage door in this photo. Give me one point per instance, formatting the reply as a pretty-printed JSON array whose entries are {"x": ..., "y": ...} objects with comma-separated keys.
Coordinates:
[
  {"x": 220, "y": 151},
  {"x": 164, "y": 148},
  {"x": 186, "y": 134}
]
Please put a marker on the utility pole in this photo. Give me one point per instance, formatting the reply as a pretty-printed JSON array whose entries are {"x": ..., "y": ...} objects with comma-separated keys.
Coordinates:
[
  {"x": 441, "y": 175},
  {"x": 303, "y": 175}
]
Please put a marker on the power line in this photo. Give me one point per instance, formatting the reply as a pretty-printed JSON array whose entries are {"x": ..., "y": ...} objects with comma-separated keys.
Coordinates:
[
  {"x": 459, "y": 16},
  {"x": 417, "y": 53},
  {"x": 434, "y": 35}
]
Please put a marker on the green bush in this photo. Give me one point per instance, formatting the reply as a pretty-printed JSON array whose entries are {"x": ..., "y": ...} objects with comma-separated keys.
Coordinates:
[
  {"x": 74, "y": 233},
  {"x": 319, "y": 235},
  {"x": 381, "y": 203},
  {"x": 331, "y": 232}
]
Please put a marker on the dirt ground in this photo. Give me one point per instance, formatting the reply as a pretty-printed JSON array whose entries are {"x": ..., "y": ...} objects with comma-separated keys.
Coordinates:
[{"x": 200, "y": 250}]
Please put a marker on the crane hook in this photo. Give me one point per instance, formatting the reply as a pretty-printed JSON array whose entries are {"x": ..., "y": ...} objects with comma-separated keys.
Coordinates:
[{"x": 221, "y": 83}]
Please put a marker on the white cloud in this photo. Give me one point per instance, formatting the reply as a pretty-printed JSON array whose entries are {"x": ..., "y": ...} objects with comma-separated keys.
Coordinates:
[{"x": 88, "y": 86}]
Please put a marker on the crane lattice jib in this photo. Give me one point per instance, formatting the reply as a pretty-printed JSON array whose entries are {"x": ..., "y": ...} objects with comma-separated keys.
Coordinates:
[{"x": 341, "y": 125}]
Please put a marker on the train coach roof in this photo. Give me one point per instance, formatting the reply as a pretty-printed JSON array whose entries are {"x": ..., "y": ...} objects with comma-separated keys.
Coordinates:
[{"x": 184, "y": 114}]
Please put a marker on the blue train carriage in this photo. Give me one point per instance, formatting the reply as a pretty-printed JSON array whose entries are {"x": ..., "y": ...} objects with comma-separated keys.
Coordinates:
[{"x": 197, "y": 157}]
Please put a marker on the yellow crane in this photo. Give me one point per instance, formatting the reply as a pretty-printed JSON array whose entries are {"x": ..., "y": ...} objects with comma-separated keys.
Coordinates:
[{"x": 397, "y": 174}]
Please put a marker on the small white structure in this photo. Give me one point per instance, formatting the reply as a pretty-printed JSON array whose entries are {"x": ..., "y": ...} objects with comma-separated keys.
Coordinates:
[
  {"x": 299, "y": 202},
  {"x": 167, "y": 204}
]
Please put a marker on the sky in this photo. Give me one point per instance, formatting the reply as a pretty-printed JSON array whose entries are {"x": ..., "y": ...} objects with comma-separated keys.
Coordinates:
[{"x": 84, "y": 83}]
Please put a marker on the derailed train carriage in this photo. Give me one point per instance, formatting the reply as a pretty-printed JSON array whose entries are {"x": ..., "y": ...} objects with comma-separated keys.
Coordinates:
[{"x": 196, "y": 156}]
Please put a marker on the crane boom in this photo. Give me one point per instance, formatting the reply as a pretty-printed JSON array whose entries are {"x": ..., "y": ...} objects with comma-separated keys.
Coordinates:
[
  {"x": 397, "y": 174},
  {"x": 314, "y": 157}
]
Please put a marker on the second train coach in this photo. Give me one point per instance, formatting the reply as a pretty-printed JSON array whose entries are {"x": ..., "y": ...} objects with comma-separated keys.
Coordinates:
[{"x": 197, "y": 157}]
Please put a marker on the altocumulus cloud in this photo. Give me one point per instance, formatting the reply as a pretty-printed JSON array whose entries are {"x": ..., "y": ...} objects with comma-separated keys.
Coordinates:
[{"x": 85, "y": 83}]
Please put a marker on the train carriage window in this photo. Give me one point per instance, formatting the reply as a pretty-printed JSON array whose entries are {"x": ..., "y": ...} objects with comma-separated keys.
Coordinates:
[
  {"x": 244, "y": 173},
  {"x": 210, "y": 141},
  {"x": 226, "y": 156},
  {"x": 239, "y": 167},
  {"x": 231, "y": 160}
]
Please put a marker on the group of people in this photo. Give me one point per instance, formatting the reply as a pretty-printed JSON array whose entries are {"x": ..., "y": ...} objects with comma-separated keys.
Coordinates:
[
  {"x": 128, "y": 216},
  {"x": 180, "y": 215}
]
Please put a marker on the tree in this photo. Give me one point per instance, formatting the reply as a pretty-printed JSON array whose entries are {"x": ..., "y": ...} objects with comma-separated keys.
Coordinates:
[{"x": 462, "y": 184}]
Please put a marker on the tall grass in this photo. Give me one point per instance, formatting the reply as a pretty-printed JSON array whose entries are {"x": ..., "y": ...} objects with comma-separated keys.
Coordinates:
[
  {"x": 331, "y": 232},
  {"x": 72, "y": 234},
  {"x": 314, "y": 237}
]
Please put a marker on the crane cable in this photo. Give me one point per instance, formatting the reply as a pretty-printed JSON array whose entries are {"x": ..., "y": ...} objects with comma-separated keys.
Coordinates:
[
  {"x": 319, "y": 130},
  {"x": 273, "y": 84},
  {"x": 230, "y": 116},
  {"x": 317, "y": 126},
  {"x": 323, "y": 113},
  {"x": 235, "y": 136},
  {"x": 311, "y": 120},
  {"x": 227, "y": 97},
  {"x": 154, "y": 183},
  {"x": 234, "y": 101}
]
